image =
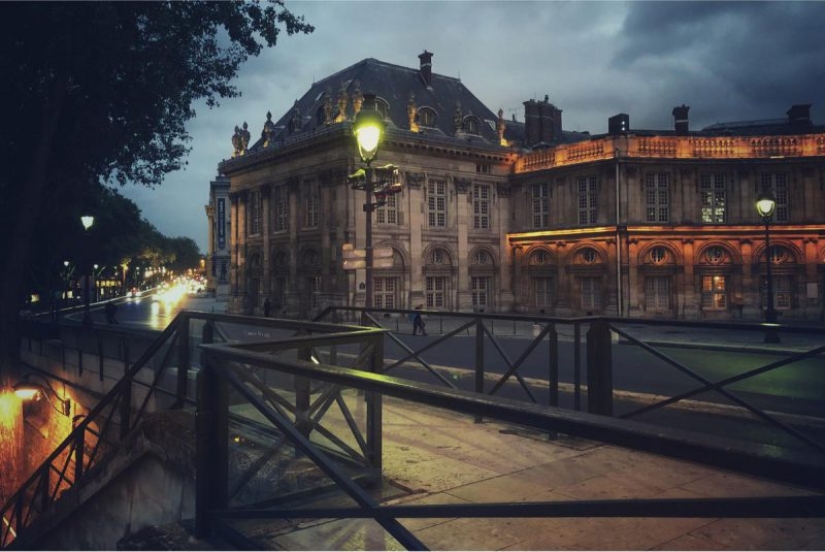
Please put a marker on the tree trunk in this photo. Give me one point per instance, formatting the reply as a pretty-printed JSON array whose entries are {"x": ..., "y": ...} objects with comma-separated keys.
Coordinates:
[{"x": 11, "y": 279}]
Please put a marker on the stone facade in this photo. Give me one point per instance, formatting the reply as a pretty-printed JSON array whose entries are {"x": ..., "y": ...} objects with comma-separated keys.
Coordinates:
[{"x": 502, "y": 216}]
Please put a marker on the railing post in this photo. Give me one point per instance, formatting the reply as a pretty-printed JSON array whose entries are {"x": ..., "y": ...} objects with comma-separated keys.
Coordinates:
[
  {"x": 553, "y": 371},
  {"x": 99, "y": 354},
  {"x": 577, "y": 366},
  {"x": 303, "y": 396},
  {"x": 212, "y": 434},
  {"x": 479, "y": 361},
  {"x": 126, "y": 407},
  {"x": 375, "y": 413},
  {"x": 80, "y": 449},
  {"x": 599, "y": 369},
  {"x": 183, "y": 361}
]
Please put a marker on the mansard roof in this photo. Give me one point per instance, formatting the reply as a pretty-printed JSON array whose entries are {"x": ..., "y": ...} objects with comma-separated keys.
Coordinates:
[{"x": 393, "y": 84}]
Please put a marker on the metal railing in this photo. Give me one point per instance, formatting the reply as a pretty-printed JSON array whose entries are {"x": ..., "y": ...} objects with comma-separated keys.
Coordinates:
[{"x": 309, "y": 396}]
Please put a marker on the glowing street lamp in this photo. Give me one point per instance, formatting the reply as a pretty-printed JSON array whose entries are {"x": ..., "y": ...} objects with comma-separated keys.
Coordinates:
[
  {"x": 369, "y": 132},
  {"x": 87, "y": 221},
  {"x": 765, "y": 206},
  {"x": 29, "y": 391}
]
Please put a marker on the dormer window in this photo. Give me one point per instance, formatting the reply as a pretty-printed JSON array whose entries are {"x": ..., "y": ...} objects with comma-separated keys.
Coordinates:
[
  {"x": 426, "y": 117},
  {"x": 382, "y": 107},
  {"x": 471, "y": 125}
]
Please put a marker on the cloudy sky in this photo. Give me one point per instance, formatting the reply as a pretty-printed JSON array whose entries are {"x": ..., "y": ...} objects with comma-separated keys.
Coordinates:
[{"x": 729, "y": 61}]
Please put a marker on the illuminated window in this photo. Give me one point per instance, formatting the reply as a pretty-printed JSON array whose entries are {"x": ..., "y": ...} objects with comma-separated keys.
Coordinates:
[
  {"x": 714, "y": 198},
  {"x": 588, "y": 199},
  {"x": 540, "y": 207},
  {"x": 777, "y": 185},
  {"x": 481, "y": 206},
  {"x": 427, "y": 117},
  {"x": 714, "y": 293},
  {"x": 657, "y": 197},
  {"x": 437, "y": 203}
]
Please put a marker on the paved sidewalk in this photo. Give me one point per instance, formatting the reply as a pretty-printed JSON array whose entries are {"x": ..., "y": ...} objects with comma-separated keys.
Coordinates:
[{"x": 444, "y": 458}]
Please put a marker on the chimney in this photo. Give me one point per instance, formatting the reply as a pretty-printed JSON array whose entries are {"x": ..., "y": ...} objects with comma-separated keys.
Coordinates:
[
  {"x": 799, "y": 116},
  {"x": 680, "y": 119},
  {"x": 532, "y": 123},
  {"x": 426, "y": 69},
  {"x": 618, "y": 124}
]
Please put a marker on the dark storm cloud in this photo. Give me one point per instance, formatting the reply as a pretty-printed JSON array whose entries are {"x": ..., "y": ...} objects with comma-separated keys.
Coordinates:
[{"x": 732, "y": 60}]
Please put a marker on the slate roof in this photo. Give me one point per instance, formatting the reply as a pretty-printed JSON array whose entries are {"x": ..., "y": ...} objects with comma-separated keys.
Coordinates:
[{"x": 393, "y": 84}]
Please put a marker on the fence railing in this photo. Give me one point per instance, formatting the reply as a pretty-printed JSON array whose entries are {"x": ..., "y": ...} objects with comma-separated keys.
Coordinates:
[{"x": 309, "y": 395}]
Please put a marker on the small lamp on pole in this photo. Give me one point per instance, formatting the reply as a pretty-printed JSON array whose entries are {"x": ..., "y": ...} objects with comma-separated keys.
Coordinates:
[
  {"x": 765, "y": 206},
  {"x": 87, "y": 221}
]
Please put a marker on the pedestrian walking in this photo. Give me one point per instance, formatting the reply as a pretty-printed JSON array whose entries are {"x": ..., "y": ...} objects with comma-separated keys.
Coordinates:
[
  {"x": 418, "y": 322},
  {"x": 267, "y": 307}
]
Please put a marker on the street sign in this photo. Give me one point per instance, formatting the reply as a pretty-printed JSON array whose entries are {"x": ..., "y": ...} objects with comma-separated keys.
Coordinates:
[
  {"x": 382, "y": 253},
  {"x": 353, "y": 264},
  {"x": 348, "y": 252},
  {"x": 382, "y": 263}
]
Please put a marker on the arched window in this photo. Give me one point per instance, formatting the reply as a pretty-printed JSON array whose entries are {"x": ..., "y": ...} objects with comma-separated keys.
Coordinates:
[
  {"x": 658, "y": 255},
  {"x": 471, "y": 125},
  {"x": 382, "y": 107},
  {"x": 715, "y": 255},
  {"x": 539, "y": 257},
  {"x": 427, "y": 117},
  {"x": 439, "y": 257},
  {"x": 589, "y": 255}
]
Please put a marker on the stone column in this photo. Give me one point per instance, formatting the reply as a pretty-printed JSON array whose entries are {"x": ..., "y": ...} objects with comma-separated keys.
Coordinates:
[
  {"x": 463, "y": 195},
  {"x": 266, "y": 196},
  {"x": 417, "y": 220}
]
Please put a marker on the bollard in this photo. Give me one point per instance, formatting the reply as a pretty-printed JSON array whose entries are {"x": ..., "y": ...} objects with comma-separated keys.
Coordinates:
[{"x": 599, "y": 369}]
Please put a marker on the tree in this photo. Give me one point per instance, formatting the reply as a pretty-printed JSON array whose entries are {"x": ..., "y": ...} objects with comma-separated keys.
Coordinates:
[{"x": 99, "y": 92}]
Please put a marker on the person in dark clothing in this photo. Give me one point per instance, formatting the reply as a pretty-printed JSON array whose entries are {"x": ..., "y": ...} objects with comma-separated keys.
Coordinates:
[
  {"x": 267, "y": 307},
  {"x": 418, "y": 322}
]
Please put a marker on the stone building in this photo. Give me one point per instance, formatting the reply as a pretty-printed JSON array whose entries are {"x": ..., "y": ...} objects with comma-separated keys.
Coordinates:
[{"x": 503, "y": 216}]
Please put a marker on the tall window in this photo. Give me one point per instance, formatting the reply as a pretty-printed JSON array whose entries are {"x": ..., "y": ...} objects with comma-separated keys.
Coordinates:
[
  {"x": 314, "y": 288},
  {"x": 384, "y": 292},
  {"x": 777, "y": 185},
  {"x": 281, "y": 207},
  {"x": 540, "y": 207},
  {"x": 436, "y": 292},
  {"x": 591, "y": 295},
  {"x": 588, "y": 199},
  {"x": 714, "y": 198},
  {"x": 481, "y": 206},
  {"x": 782, "y": 292},
  {"x": 426, "y": 117},
  {"x": 437, "y": 203},
  {"x": 388, "y": 213},
  {"x": 480, "y": 286},
  {"x": 543, "y": 291},
  {"x": 312, "y": 204},
  {"x": 657, "y": 293},
  {"x": 657, "y": 197},
  {"x": 714, "y": 292},
  {"x": 255, "y": 210}
]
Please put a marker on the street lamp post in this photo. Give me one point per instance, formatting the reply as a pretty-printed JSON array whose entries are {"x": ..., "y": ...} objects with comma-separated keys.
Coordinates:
[
  {"x": 765, "y": 206},
  {"x": 369, "y": 130},
  {"x": 66, "y": 289},
  {"x": 87, "y": 221}
]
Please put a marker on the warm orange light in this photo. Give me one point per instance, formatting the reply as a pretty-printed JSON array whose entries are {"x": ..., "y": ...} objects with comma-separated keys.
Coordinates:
[{"x": 26, "y": 393}]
